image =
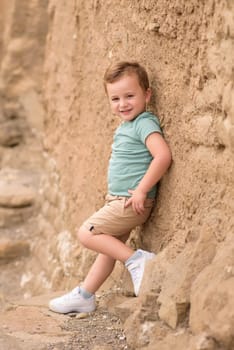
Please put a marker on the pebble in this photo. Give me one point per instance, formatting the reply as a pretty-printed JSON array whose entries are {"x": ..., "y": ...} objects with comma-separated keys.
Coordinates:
[{"x": 82, "y": 315}]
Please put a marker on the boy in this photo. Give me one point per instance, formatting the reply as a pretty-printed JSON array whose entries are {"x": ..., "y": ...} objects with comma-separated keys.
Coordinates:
[{"x": 139, "y": 158}]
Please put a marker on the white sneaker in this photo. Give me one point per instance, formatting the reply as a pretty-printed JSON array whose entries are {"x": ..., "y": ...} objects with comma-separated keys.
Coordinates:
[
  {"x": 72, "y": 302},
  {"x": 136, "y": 268}
]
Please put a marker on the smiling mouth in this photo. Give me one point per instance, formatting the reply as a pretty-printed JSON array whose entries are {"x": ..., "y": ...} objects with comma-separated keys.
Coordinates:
[{"x": 126, "y": 111}]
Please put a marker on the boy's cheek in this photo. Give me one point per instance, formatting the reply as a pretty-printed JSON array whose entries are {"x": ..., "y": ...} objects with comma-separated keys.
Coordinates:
[{"x": 113, "y": 109}]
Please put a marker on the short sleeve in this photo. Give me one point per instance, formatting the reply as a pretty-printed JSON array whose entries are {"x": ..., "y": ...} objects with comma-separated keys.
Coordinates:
[{"x": 146, "y": 124}]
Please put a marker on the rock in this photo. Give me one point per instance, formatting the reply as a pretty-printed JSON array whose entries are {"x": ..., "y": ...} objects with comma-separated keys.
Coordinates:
[
  {"x": 126, "y": 309},
  {"x": 16, "y": 201},
  {"x": 10, "y": 134},
  {"x": 212, "y": 297},
  {"x": 10, "y": 217},
  {"x": 177, "y": 341},
  {"x": 15, "y": 195},
  {"x": 12, "y": 110},
  {"x": 10, "y": 250},
  {"x": 173, "y": 312},
  {"x": 204, "y": 342},
  {"x": 175, "y": 295}
]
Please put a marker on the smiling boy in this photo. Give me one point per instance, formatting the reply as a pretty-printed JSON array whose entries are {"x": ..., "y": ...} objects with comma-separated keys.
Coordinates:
[{"x": 139, "y": 158}]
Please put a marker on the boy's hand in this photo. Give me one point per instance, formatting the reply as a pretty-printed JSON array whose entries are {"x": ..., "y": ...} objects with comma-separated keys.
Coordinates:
[{"x": 137, "y": 201}]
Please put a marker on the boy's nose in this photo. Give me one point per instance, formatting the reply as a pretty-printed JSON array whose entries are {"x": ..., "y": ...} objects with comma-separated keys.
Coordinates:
[{"x": 122, "y": 102}]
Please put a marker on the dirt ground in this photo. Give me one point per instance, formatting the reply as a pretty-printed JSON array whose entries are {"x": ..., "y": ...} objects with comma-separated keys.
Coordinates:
[{"x": 29, "y": 325}]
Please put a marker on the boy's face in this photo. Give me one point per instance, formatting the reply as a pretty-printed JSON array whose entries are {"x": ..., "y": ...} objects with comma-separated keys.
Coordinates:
[{"x": 127, "y": 98}]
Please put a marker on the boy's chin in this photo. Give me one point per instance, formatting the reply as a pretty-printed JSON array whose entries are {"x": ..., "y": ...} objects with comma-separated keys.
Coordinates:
[{"x": 129, "y": 118}]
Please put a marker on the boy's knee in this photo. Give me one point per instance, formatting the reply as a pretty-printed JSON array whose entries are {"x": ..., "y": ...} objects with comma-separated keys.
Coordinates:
[{"x": 83, "y": 235}]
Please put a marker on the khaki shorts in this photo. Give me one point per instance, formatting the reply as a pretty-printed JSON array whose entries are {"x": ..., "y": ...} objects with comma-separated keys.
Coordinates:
[{"x": 116, "y": 220}]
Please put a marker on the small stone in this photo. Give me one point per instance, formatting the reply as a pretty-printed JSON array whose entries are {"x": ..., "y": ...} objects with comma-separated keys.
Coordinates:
[
  {"x": 82, "y": 315},
  {"x": 122, "y": 337},
  {"x": 153, "y": 27}
]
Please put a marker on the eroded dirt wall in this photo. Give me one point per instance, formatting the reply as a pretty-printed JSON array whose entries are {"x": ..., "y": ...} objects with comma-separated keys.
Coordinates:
[
  {"x": 23, "y": 29},
  {"x": 187, "y": 47}
]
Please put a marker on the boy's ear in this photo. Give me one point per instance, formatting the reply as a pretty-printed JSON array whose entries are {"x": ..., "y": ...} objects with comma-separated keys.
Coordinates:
[{"x": 148, "y": 95}]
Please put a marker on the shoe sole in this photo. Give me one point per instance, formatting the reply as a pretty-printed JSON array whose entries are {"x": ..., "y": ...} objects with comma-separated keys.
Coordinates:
[{"x": 74, "y": 309}]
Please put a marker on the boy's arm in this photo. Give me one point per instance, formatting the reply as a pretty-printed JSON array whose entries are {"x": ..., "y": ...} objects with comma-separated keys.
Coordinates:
[{"x": 158, "y": 166}]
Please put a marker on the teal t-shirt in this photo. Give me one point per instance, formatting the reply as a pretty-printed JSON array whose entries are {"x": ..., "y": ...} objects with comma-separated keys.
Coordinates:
[{"x": 130, "y": 157}]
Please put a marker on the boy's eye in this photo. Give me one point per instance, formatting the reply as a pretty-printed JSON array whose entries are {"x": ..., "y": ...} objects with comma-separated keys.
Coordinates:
[
  {"x": 130, "y": 95},
  {"x": 114, "y": 99}
]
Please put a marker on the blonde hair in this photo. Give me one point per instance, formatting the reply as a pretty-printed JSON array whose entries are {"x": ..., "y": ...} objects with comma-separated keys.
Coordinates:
[{"x": 119, "y": 69}]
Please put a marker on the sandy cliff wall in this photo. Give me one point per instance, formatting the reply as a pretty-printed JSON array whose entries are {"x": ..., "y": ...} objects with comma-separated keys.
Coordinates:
[{"x": 188, "y": 47}]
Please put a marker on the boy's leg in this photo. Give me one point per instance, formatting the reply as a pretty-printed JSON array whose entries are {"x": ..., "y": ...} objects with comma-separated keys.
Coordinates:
[
  {"x": 100, "y": 270},
  {"x": 105, "y": 244},
  {"x": 98, "y": 273},
  {"x": 83, "y": 299},
  {"x": 113, "y": 248}
]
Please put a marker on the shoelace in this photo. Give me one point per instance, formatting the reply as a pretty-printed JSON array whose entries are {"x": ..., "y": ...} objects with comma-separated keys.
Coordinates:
[{"x": 73, "y": 293}]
